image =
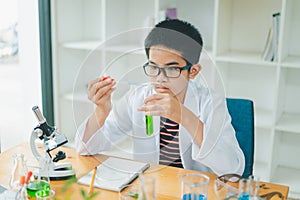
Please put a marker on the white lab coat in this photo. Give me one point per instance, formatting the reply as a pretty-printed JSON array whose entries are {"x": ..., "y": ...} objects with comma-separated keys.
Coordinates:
[{"x": 219, "y": 153}]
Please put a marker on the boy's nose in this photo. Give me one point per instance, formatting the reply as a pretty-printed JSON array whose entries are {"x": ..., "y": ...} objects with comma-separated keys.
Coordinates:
[{"x": 161, "y": 77}]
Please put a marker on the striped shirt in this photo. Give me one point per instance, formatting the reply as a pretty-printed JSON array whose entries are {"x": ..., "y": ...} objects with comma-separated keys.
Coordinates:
[{"x": 169, "y": 143}]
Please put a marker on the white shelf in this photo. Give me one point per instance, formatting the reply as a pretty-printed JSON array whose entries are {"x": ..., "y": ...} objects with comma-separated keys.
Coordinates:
[
  {"x": 132, "y": 48},
  {"x": 82, "y": 45},
  {"x": 244, "y": 58},
  {"x": 289, "y": 122},
  {"x": 263, "y": 118},
  {"x": 260, "y": 169},
  {"x": 292, "y": 62},
  {"x": 287, "y": 176},
  {"x": 92, "y": 45}
]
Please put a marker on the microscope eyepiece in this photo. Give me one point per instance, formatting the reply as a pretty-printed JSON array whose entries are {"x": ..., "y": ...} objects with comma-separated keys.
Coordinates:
[
  {"x": 47, "y": 130},
  {"x": 39, "y": 115}
]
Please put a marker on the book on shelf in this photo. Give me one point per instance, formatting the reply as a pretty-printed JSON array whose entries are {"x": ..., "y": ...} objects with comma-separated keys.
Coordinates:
[
  {"x": 169, "y": 13},
  {"x": 276, "y": 20},
  {"x": 270, "y": 52},
  {"x": 115, "y": 173},
  {"x": 268, "y": 49}
]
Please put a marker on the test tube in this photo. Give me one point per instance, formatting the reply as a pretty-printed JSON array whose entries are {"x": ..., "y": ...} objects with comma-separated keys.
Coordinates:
[
  {"x": 148, "y": 118},
  {"x": 149, "y": 125}
]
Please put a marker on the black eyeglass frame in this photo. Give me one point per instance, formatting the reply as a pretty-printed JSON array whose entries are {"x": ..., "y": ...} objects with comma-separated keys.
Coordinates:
[{"x": 187, "y": 67}]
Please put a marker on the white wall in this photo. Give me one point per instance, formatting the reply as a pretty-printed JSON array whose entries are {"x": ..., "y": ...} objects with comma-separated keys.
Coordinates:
[
  {"x": 30, "y": 61},
  {"x": 20, "y": 82}
]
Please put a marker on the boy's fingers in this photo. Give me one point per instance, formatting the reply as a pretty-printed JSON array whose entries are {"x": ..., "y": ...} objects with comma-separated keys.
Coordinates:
[
  {"x": 154, "y": 97},
  {"x": 92, "y": 82}
]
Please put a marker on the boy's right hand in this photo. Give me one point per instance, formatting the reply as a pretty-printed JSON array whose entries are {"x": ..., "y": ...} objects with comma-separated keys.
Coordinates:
[{"x": 99, "y": 92}]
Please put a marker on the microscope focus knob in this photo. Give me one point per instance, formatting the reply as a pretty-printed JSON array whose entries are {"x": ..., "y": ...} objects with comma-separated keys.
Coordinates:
[
  {"x": 38, "y": 132},
  {"x": 60, "y": 155}
]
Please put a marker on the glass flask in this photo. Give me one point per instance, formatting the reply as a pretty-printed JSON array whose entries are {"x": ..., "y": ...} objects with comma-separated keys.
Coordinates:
[
  {"x": 41, "y": 184},
  {"x": 19, "y": 171}
]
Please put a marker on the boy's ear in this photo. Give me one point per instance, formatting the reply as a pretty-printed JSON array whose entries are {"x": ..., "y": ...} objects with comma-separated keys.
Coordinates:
[{"x": 194, "y": 70}]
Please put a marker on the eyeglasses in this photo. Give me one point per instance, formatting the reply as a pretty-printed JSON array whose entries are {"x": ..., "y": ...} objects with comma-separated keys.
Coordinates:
[{"x": 169, "y": 71}]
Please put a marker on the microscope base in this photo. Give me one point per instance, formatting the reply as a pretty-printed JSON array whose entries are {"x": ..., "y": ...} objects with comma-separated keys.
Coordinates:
[{"x": 62, "y": 171}]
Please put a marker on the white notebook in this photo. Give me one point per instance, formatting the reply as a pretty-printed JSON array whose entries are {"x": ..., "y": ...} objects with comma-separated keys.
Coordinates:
[{"x": 114, "y": 173}]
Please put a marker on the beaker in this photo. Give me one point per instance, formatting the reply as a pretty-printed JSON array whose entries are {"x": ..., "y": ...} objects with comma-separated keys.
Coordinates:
[
  {"x": 248, "y": 188},
  {"x": 147, "y": 184},
  {"x": 194, "y": 186},
  {"x": 130, "y": 192}
]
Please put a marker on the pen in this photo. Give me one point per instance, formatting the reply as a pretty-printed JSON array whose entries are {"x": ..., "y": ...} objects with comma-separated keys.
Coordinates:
[{"x": 91, "y": 190}]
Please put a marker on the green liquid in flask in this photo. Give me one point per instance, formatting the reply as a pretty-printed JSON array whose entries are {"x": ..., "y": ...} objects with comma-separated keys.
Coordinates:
[
  {"x": 34, "y": 186},
  {"x": 149, "y": 125}
]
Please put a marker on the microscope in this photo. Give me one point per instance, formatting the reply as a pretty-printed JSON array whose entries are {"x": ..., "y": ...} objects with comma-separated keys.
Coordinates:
[{"x": 51, "y": 139}]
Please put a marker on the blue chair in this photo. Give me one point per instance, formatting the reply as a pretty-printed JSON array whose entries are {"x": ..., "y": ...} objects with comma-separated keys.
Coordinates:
[{"x": 242, "y": 114}]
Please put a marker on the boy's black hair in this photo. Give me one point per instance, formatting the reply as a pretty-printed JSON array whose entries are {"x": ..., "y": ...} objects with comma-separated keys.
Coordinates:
[{"x": 178, "y": 35}]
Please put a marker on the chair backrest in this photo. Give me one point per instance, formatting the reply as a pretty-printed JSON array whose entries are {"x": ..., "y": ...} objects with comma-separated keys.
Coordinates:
[{"x": 242, "y": 115}]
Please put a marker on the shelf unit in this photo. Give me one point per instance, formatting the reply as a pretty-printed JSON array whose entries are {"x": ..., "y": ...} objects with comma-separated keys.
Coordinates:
[{"x": 234, "y": 33}]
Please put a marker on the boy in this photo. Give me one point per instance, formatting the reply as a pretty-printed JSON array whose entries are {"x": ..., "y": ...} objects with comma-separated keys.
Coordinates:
[{"x": 192, "y": 126}]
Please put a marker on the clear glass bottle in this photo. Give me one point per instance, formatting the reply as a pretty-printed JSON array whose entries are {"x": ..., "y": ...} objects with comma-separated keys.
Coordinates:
[
  {"x": 19, "y": 170},
  {"x": 22, "y": 193}
]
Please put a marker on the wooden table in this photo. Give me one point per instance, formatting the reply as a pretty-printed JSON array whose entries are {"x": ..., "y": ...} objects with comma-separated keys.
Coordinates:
[{"x": 167, "y": 178}]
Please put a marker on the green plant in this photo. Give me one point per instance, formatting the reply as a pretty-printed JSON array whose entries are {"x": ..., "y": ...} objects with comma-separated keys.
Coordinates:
[{"x": 84, "y": 194}]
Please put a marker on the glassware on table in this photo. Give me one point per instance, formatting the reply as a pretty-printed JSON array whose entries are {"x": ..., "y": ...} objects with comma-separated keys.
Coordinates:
[
  {"x": 248, "y": 188},
  {"x": 147, "y": 184},
  {"x": 130, "y": 192},
  {"x": 19, "y": 170},
  {"x": 194, "y": 186},
  {"x": 40, "y": 195},
  {"x": 17, "y": 177},
  {"x": 41, "y": 184},
  {"x": 35, "y": 186},
  {"x": 225, "y": 191}
]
